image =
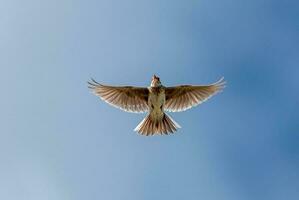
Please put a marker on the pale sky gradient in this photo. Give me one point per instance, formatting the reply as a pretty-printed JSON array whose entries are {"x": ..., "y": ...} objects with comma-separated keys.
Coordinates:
[{"x": 58, "y": 141}]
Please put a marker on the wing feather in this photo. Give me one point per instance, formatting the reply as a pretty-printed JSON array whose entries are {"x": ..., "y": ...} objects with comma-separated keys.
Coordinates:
[
  {"x": 184, "y": 97},
  {"x": 127, "y": 98}
]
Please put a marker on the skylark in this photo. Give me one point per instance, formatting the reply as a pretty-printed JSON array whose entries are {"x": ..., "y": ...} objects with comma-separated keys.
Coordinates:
[{"x": 155, "y": 100}]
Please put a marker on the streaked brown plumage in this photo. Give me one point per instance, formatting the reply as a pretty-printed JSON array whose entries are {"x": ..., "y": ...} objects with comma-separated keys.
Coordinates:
[{"x": 155, "y": 100}]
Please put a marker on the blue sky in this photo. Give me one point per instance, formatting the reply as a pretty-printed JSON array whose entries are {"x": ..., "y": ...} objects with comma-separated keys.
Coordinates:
[{"x": 58, "y": 141}]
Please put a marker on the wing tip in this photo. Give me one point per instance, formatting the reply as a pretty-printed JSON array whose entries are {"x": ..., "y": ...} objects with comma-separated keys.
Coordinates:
[
  {"x": 221, "y": 83},
  {"x": 92, "y": 84}
]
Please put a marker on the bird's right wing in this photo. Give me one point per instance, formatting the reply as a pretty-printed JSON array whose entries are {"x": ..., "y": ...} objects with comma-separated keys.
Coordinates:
[
  {"x": 183, "y": 97},
  {"x": 127, "y": 98}
]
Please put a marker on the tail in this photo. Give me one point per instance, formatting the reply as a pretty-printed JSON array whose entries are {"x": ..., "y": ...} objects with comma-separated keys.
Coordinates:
[{"x": 149, "y": 126}]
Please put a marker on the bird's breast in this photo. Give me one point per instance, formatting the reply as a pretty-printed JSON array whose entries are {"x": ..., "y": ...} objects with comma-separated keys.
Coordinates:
[{"x": 156, "y": 102}]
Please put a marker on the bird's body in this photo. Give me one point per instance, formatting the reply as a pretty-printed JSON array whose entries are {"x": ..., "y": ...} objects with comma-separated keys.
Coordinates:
[
  {"x": 157, "y": 121},
  {"x": 155, "y": 100}
]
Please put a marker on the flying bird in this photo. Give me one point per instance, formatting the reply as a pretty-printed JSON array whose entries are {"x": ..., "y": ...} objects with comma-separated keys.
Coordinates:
[{"x": 155, "y": 100}]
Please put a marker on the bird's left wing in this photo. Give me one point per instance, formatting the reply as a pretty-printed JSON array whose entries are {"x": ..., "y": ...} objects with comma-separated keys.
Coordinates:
[
  {"x": 127, "y": 98},
  {"x": 183, "y": 97}
]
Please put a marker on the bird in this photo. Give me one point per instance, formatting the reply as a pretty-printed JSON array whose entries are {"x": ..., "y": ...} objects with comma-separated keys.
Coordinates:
[{"x": 156, "y": 100}]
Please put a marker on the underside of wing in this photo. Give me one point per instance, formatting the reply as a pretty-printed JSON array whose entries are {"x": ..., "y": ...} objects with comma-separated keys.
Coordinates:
[
  {"x": 184, "y": 97},
  {"x": 127, "y": 98}
]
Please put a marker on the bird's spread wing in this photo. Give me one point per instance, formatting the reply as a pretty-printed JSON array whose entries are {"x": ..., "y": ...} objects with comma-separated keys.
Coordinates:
[
  {"x": 183, "y": 97},
  {"x": 127, "y": 98}
]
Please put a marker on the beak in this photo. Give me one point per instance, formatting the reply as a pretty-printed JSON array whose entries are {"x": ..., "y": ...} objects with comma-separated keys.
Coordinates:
[{"x": 155, "y": 77}]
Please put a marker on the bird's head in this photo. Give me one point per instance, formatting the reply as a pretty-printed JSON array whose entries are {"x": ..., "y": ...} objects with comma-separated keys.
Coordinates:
[{"x": 155, "y": 81}]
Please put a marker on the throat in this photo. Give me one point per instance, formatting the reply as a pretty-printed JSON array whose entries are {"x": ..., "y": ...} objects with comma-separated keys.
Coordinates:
[{"x": 155, "y": 84}]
